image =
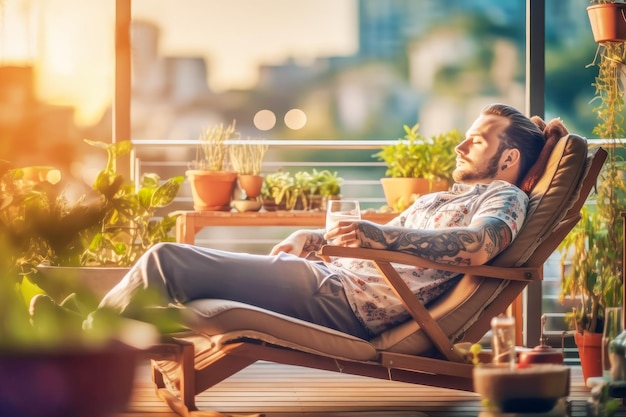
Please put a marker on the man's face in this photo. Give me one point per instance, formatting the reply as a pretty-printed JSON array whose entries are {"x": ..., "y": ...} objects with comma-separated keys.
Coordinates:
[{"x": 478, "y": 157}]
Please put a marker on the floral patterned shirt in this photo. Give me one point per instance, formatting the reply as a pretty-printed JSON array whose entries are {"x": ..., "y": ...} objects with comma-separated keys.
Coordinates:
[{"x": 373, "y": 301}]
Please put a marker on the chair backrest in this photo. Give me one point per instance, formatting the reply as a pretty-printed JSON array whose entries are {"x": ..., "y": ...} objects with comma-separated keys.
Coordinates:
[
  {"x": 551, "y": 202},
  {"x": 465, "y": 311}
]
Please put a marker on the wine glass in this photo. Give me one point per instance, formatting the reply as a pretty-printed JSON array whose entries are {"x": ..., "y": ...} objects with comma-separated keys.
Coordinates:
[{"x": 339, "y": 210}]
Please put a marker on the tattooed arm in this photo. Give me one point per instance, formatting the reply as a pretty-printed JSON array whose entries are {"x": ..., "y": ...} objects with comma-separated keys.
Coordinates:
[
  {"x": 300, "y": 242},
  {"x": 473, "y": 245}
]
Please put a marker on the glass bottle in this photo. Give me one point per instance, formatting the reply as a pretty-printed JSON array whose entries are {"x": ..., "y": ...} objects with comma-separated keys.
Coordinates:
[{"x": 503, "y": 340}]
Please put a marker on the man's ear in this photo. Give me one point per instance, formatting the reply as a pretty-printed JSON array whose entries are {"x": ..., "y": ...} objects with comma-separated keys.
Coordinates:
[{"x": 510, "y": 157}]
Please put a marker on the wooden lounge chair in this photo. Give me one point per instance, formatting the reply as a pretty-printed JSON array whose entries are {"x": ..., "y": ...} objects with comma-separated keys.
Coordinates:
[{"x": 226, "y": 336}]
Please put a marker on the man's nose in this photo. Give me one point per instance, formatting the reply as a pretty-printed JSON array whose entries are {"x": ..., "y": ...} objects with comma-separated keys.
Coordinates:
[{"x": 461, "y": 148}]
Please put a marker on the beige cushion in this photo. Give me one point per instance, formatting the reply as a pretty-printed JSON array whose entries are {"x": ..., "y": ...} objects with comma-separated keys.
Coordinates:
[
  {"x": 555, "y": 192},
  {"x": 234, "y": 321}
]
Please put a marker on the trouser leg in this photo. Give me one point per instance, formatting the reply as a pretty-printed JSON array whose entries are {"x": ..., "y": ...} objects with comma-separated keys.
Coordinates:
[{"x": 284, "y": 283}]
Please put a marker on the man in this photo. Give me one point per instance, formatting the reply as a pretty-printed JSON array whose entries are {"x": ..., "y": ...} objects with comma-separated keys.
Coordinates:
[{"x": 468, "y": 225}]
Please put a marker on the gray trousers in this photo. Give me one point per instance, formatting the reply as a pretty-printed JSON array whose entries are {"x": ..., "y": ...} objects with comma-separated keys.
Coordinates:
[{"x": 284, "y": 283}]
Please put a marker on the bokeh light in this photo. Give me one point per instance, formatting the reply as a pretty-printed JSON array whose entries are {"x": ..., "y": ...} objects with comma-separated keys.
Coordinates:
[
  {"x": 264, "y": 119},
  {"x": 295, "y": 119}
]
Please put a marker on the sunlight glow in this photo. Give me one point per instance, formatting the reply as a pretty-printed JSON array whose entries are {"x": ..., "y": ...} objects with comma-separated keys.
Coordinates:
[{"x": 70, "y": 43}]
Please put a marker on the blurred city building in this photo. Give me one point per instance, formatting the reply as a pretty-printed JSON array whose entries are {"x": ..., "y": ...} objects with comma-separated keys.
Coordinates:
[{"x": 430, "y": 62}]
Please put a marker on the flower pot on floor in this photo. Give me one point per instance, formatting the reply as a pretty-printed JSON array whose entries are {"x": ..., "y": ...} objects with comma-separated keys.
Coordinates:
[{"x": 590, "y": 353}]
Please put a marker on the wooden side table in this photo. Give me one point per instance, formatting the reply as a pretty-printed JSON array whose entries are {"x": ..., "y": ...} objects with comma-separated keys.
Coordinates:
[{"x": 189, "y": 223}]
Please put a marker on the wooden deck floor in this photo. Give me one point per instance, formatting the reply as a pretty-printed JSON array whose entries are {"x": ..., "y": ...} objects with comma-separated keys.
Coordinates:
[{"x": 283, "y": 391}]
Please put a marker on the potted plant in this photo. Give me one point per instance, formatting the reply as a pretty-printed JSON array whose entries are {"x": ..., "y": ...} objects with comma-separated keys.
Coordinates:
[
  {"x": 325, "y": 185},
  {"x": 211, "y": 183},
  {"x": 594, "y": 280},
  {"x": 109, "y": 228},
  {"x": 608, "y": 20},
  {"x": 417, "y": 165},
  {"x": 247, "y": 160},
  {"x": 278, "y": 191},
  {"x": 88, "y": 372}
]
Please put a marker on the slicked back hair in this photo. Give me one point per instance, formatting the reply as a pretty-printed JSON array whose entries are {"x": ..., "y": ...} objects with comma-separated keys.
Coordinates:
[{"x": 521, "y": 134}]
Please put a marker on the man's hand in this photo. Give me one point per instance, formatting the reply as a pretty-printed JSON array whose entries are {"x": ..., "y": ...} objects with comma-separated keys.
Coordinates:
[
  {"x": 299, "y": 243},
  {"x": 355, "y": 234}
]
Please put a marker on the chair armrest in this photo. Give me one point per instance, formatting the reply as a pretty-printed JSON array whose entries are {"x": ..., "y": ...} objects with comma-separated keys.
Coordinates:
[{"x": 513, "y": 273}]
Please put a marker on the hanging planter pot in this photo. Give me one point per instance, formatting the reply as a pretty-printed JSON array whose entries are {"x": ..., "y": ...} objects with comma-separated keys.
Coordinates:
[{"x": 608, "y": 22}]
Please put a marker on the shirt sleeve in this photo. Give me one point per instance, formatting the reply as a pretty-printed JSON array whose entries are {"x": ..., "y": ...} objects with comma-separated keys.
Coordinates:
[{"x": 505, "y": 202}]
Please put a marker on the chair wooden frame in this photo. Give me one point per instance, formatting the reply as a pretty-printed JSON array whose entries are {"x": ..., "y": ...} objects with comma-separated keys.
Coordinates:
[{"x": 445, "y": 369}]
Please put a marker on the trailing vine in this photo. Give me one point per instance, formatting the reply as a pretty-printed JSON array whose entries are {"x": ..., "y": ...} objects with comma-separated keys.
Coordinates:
[{"x": 596, "y": 241}]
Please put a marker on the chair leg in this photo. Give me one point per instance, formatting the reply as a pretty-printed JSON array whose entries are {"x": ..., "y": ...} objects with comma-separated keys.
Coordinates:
[
  {"x": 188, "y": 377},
  {"x": 183, "y": 353}
]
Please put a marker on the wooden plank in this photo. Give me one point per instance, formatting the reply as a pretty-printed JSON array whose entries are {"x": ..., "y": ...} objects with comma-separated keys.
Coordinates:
[{"x": 284, "y": 391}]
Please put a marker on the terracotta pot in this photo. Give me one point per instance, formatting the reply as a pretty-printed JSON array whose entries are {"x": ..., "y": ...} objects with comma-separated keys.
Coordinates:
[
  {"x": 399, "y": 191},
  {"x": 608, "y": 22},
  {"x": 590, "y": 353},
  {"x": 251, "y": 185},
  {"x": 211, "y": 190},
  {"x": 439, "y": 185}
]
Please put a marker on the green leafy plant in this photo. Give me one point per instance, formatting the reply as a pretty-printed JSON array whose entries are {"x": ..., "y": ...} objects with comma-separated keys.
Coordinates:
[
  {"x": 114, "y": 225},
  {"x": 416, "y": 156},
  {"x": 594, "y": 280},
  {"x": 278, "y": 187},
  {"x": 287, "y": 190},
  {"x": 325, "y": 183}
]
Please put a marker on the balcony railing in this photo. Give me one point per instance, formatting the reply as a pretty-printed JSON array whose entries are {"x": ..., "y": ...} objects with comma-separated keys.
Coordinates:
[{"x": 352, "y": 160}]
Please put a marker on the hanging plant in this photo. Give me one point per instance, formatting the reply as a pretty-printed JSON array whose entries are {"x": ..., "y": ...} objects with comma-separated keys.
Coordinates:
[{"x": 595, "y": 244}]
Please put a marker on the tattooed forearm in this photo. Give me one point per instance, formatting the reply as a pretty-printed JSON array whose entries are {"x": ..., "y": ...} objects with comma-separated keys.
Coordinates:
[{"x": 472, "y": 245}]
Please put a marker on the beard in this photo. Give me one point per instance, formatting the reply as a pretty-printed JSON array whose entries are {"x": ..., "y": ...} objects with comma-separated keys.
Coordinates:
[{"x": 472, "y": 172}]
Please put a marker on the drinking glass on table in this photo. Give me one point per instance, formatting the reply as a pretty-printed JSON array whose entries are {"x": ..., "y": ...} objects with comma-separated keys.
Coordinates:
[{"x": 339, "y": 210}]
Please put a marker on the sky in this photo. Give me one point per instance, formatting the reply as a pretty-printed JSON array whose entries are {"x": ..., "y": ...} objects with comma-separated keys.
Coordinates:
[
  {"x": 71, "y": 41},
  {"x": 236, "y": 35}
]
